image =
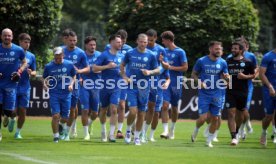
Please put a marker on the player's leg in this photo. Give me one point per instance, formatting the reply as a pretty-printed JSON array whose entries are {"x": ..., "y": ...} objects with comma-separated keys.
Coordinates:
[
  {"x": 165, "y": 112},
  {"x": 84, "y": 101},
  {"x": 158, "y": 106},
  {"x": 22, "y": 104},
  {"x": 9, "y": 98},
  {"x": 104, "y": 98},
  {"x": 121, "y": 113},
  {"x": 64, "y": 113},
  {"x": 114, "y": 100},
  {"x": 176, "y": 96},
  {"x": 203, "y": 110},
  {"x": 269, "y": 110},
  {"x": 247, "y": 115},
  {"x": 149, "y": 114},
  {"x": 71, "y": 121},
  {"x": 94, "y": 105},
  {"x": 55, "y": 110}
]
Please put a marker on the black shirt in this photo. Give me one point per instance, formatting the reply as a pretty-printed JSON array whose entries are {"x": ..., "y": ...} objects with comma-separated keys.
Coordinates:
[{"x": 236, "y": 66}]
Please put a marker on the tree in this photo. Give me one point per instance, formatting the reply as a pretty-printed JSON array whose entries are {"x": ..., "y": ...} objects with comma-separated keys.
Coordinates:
[
  {"x": 40, "y": 19},
  {"x": 194, "y": 22}
]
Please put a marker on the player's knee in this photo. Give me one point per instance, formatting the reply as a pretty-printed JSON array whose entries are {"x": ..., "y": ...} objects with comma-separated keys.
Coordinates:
[{"x": 56, "y": 116}]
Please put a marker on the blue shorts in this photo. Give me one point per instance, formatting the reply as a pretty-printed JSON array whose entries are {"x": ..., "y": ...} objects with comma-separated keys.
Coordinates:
[
  {"x": 153, "y": 95},
  {"x": 123, "y": 95},
  {"x": 8, "y": 98},
  {"x": 75, "y": 98},
  {"x": 249, "y": 95},
  {"x": 138, "y": 98},
  {"x": 172, "y": 95},
  {"x": 159, "y": 100},
  {"x": 109, "y": 96},
  {"x": 60, "y": 104},
  {"x": 23, "y": 99},
  {"x": 212, "y": 104},
  {"x": 269, "y": 102},
  {"x": 89, "y": 99}
]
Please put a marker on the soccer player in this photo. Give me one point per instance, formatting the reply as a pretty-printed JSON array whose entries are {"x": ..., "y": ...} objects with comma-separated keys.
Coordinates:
[
  {"x": 59, "y": 77},
  {"x": 108, "y": 62},
  {"x": 207, "y": 71},
  {"x": 11, "y": 56},
  {"x": 241, "y": 70},
  {"x": 89, "y": 95},
  {"x": 122, "y": 104},
  {"x": 141, "y": 64},
  {"x": 177, "y": 65},
  {"x": 79, "y": 59},
  {"x": 156, "y": 92},
  {"x": 249, "y": 56},
  {"x": 24, "y": 86},
  {"x": 64, "y": 36},
  {"x": 268, "y": 77}
]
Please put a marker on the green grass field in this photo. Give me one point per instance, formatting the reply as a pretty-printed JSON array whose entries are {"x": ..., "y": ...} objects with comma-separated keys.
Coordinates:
[{"x": 38, "y": 147}]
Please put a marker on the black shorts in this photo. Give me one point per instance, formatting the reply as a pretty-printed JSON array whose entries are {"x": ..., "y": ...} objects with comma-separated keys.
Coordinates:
[{"x": 236, "y": 99}]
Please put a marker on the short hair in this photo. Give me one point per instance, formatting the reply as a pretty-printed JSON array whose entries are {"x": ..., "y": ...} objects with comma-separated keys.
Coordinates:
[
  {"x": 113, "y": 37},
  {"x": 72, "y": 33},
  {"x": 241, "y": 47},
  {"x": 66, "y": 32},
  {"x": 89, "y": 38},
  {"x": 24, "y": 36},
  {"x": 242, "y": 40},
  {"x": 168, "y": 35},
  {"x": 151, "y": 33},
  {"x": 212, "y": 43},
  {"x": 142, "y": 35},
  {"x": 122, "y": 33}
]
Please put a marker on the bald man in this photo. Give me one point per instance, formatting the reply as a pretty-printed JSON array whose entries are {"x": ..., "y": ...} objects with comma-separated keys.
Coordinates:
[{"x": 12, "y": 64}]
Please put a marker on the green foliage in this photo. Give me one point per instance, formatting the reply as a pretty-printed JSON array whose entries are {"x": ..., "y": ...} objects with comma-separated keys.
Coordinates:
[
  {"x": 40, "y": 19},
  {"x": 194, "y": 22}
]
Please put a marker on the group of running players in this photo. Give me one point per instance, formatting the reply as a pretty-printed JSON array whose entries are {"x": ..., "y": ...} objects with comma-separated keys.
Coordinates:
[{"x": 148, "y": 77}]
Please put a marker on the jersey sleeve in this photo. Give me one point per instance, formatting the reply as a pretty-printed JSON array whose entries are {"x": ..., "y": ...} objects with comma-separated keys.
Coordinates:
[
  {"x": 22, "y": 54},
  {"x": 84, "y": 61},
  {"x": 197, "y": 67},
  {"x": 224, "y": 67},
  {"x": 154, "y": 63},
  {"x": 126, "y": 58},
  {"x": 100, "y": 60},
  {"x": 265, "y": 61},
  {"x": 33, "y": 64},
  {"x": 45, "y": 72},
  {"x": 183, "y": 57},
  {"x": 73, "y": 71}
]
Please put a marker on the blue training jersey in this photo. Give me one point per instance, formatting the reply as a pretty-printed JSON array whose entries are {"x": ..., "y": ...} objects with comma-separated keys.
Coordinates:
[
  {"x": 24, "y": 82},
  {"x": 113, "y": 74},
  {"x": 91, "y": 61},
  {"x": 77, "y": 57},
  {"x": 176, "y": 57},
  {"x": 210, "y": 72},
  {"x": 158, "y": 50},
  {"x": 269, "y": 62},
  {"x": 139, "y": 60},
  {"x": 58, "y": 75},
  {"x": 124, "y": 49},
  {"x": 10, "y": 59}
]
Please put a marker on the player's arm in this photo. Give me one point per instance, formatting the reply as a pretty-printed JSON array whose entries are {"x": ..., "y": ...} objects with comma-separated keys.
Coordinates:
[
  {"x": 32, "y": 69},
  {"x": 97, "y": 68},
  {"x": 182, "y": 68},
  {"x": 123, "y": 72},
  {"x": 72, "y": 82},
  {"x": 266, "y": 82},
  {"x": 83, "y": 70}
]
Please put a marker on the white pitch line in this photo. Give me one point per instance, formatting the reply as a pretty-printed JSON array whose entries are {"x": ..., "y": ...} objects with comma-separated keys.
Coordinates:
[{"x": 25, "y": 158}]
